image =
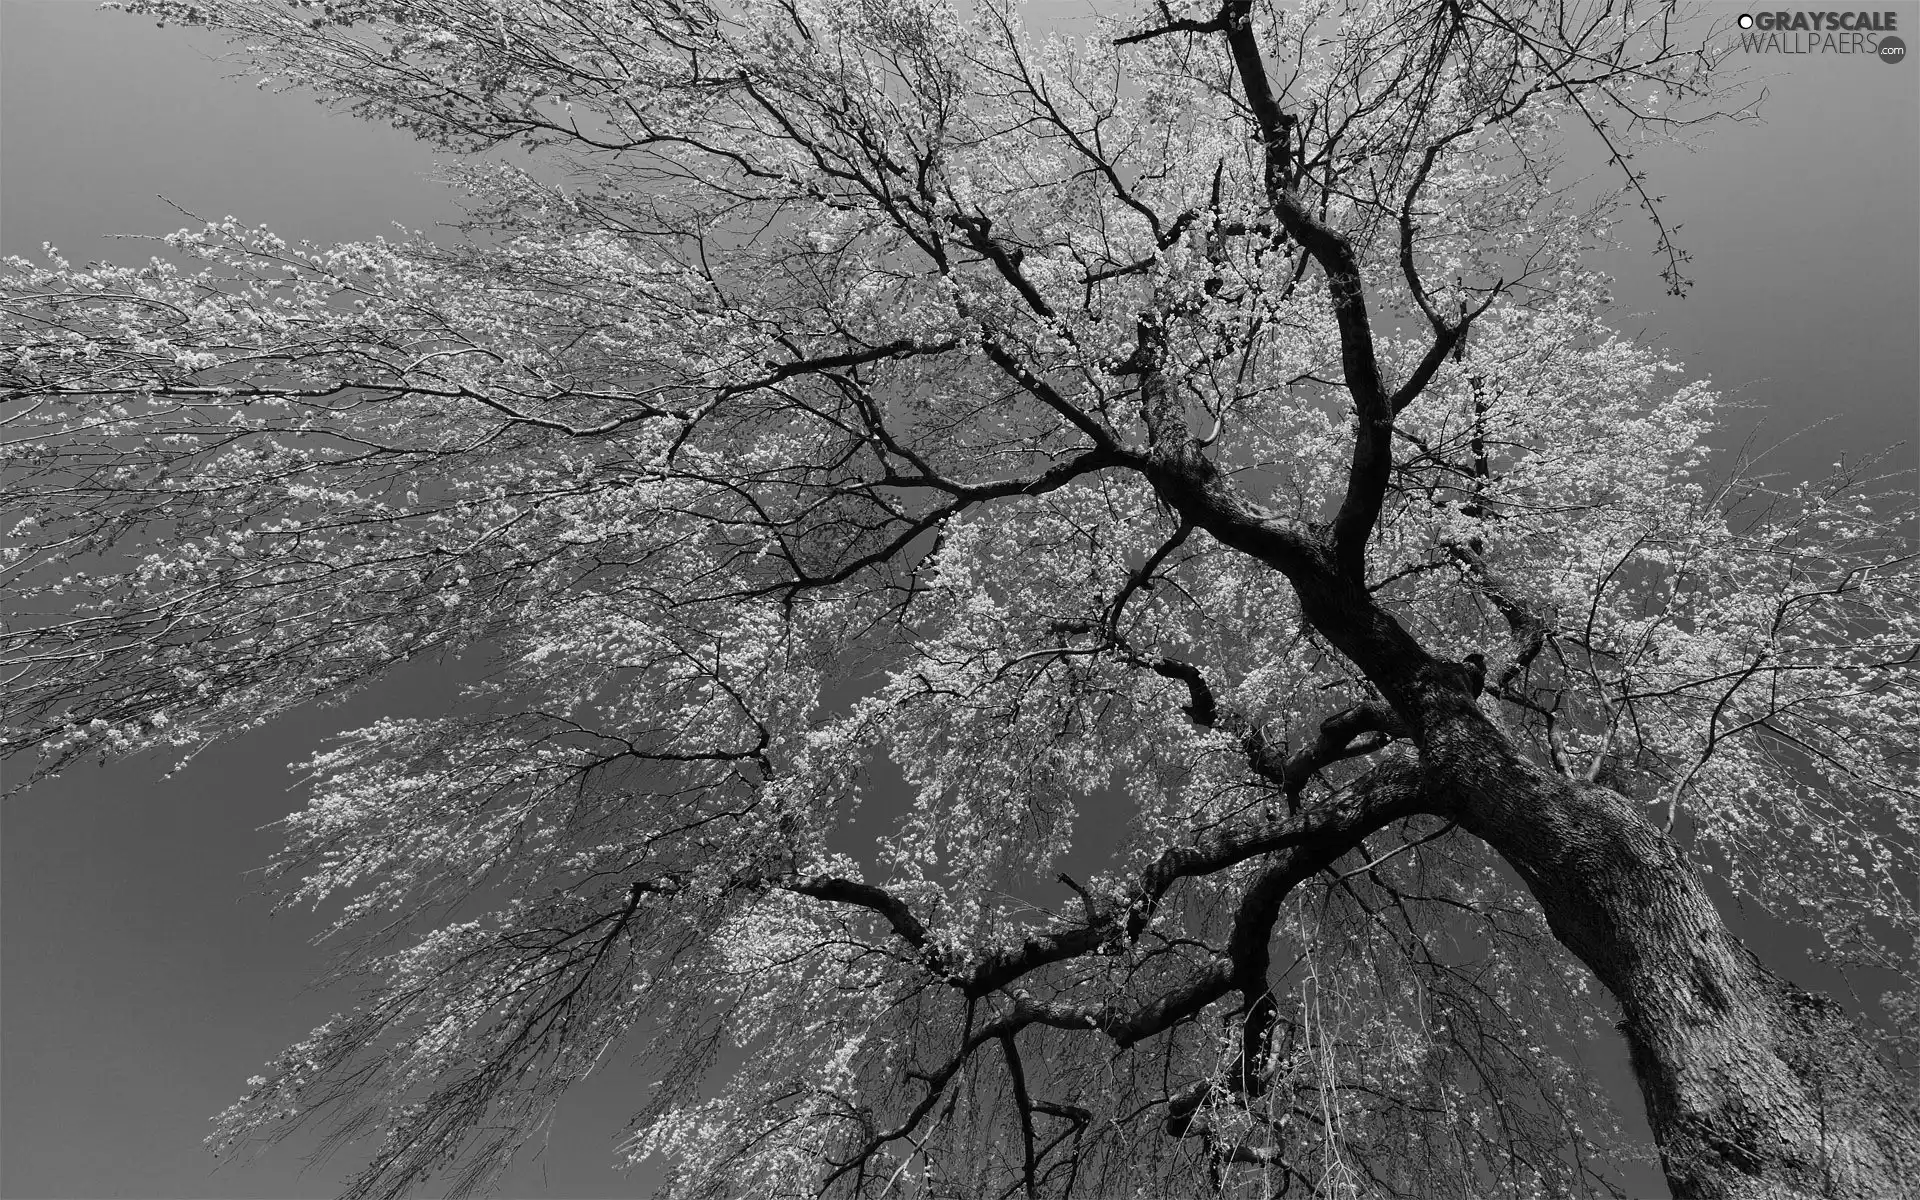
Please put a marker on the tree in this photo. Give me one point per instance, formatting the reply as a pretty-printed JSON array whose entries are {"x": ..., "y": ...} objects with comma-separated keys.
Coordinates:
[{"x": 854, "y": 402}]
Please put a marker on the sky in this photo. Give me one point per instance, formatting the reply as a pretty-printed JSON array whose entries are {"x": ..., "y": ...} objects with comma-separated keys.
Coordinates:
[{"x": 142, "y": 978}]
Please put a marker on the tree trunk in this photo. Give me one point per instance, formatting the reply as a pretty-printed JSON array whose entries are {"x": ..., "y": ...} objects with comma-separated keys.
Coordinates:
[{"x": 1753, "y": 1087}]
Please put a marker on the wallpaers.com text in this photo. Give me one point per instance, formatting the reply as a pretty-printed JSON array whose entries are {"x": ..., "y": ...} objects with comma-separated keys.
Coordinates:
[{"x": 1866, "y": 33}]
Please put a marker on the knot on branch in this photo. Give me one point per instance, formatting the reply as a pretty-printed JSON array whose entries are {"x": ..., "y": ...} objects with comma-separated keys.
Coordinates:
[
  {"x": 1184, "y": 1105},
  {"x": 1475, "y": 665}
]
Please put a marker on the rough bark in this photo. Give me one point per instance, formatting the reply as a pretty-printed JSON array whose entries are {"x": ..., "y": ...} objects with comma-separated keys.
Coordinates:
[{"x": 1753, "y": 1087}]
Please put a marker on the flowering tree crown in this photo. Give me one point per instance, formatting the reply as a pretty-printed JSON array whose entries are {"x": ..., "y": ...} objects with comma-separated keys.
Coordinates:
[{"x": 803, "y": 453}]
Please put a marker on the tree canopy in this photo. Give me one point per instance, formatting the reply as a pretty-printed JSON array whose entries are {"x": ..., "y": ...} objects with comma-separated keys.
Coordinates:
[{"x": 872, "y": 458}]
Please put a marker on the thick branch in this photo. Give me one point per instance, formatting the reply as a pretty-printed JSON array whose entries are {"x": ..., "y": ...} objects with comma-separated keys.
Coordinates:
[
  {"x": 1370, "y": 468},
  {"x": 1341, "y": 736},
  {"x": 1017, "y": 1075},
  {"x": 1308, "y": 842}
]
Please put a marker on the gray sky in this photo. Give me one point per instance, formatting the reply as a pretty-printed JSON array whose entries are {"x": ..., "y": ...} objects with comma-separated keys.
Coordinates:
[{"x": 141, "y": 977}]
